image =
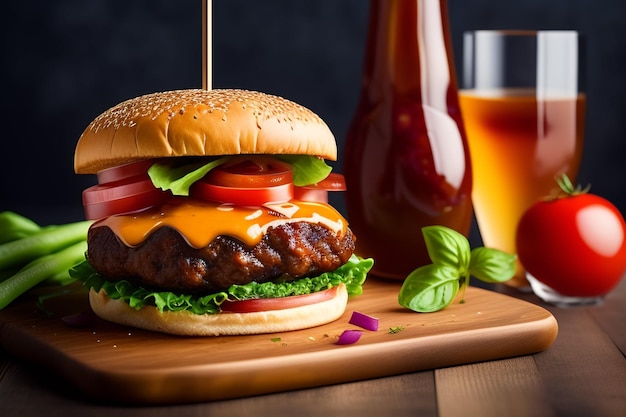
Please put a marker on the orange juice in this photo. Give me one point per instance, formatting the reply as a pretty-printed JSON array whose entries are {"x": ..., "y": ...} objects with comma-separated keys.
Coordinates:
[{"x": 518, "y": 144}]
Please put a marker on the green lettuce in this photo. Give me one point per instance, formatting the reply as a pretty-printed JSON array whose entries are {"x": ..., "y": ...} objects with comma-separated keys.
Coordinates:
[
  {"x": 352, "y": 274},
  {"x": 179, "y": 177},
  {"x": 307, "y": 169}
]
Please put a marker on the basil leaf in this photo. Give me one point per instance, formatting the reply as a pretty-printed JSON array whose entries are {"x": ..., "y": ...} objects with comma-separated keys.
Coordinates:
[
  {"x": 429, "y": 288},
  {"x": 492, "y": 265},
  {"x": 307, "y": 169},
  {"x": 447, "y": 247},
  {"x": 179, "y": 178}
]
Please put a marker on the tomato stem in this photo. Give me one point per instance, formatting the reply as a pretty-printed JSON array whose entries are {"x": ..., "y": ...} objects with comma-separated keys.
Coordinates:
[{"x": 565, "y": 184}]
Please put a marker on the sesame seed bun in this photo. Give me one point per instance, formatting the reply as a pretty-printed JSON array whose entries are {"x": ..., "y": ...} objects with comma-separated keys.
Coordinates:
[{"x": 201, "y": 122}]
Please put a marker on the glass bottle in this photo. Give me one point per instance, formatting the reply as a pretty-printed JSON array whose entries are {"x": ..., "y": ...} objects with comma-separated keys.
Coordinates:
[{"x": 406, "y": 160}]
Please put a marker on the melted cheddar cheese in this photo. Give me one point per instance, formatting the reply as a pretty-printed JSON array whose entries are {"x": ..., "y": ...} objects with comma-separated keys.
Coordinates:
[{"x": 200, "y": 222}]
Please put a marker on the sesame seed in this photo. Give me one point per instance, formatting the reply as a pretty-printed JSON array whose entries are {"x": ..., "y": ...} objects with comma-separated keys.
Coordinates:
[{"x": 151, "y": 106}]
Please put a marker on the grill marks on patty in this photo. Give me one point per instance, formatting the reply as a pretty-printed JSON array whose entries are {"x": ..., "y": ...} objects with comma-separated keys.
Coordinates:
[{"x": 166, "y": 261}]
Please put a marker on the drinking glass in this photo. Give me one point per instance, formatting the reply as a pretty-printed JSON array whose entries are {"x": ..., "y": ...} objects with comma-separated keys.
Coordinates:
[{"x": 523, "y": 106}]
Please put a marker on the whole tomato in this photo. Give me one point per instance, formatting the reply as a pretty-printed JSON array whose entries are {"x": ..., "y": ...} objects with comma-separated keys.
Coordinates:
[{"x": 575, "y": 243}]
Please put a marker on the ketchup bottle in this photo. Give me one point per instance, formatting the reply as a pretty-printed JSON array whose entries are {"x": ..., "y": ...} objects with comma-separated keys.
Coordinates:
[{"x": 406, "y": 160}]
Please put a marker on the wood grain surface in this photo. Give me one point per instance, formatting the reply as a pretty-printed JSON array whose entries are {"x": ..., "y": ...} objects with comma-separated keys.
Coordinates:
[{"x": 115, "y": 363}]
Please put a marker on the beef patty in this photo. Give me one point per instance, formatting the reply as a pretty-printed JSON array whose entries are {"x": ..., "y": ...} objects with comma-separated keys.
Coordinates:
[{"x": 166, "y": 261}]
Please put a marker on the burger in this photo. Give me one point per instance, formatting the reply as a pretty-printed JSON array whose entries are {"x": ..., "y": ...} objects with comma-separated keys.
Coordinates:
[{"x": 211, "y": 215}]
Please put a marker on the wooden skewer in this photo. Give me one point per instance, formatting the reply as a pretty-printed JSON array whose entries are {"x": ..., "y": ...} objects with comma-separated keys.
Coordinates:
[{"x": 207, "y": 43}]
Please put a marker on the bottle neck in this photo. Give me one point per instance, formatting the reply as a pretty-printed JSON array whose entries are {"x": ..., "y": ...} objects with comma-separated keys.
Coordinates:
[{"x": 408, "y": 51}]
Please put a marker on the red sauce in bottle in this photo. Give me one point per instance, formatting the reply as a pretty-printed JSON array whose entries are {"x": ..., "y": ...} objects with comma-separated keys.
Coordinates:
[{"x": 406, "y": 157}]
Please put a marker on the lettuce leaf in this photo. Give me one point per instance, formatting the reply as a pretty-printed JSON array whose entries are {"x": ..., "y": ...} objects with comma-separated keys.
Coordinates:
[
  {"x": 307, "y": 169},
  {"x": 352, "y": 274},
  {"x": 178, "y": 178}
]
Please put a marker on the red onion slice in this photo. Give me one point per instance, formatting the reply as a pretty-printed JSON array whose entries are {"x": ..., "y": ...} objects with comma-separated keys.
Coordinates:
[
  {"x": 364, "y": 321},
  {"x": 349, "y": 337}
]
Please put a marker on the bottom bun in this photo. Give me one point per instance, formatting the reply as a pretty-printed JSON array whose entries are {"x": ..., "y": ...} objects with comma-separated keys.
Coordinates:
[{"x": 188, "y": 324}]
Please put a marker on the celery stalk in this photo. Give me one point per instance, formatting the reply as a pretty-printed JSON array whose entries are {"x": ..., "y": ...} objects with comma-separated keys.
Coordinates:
[
  {"x": 48, "y": 240},
  {"x": 14, "y": 226},
  {"x": 39, "y": 270}
]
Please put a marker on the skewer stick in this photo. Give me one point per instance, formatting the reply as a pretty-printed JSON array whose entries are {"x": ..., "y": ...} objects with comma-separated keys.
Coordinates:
[{"x": 207, "y": 43}]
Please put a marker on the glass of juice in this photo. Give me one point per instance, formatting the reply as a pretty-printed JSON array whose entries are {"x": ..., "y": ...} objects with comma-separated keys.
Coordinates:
[{"x": 523, "y": 106}]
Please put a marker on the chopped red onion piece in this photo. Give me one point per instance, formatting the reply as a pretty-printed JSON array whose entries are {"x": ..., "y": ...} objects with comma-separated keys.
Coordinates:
[
  {"x": 349, "y": 337},
  {"x": 364, "y": 321}
]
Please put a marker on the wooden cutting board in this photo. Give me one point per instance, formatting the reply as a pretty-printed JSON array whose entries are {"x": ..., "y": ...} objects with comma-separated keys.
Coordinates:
[{"x": 116, "y": 363}]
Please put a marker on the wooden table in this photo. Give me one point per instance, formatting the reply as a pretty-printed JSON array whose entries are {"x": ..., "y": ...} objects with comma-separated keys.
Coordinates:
[{"x": 583, "y": 373}]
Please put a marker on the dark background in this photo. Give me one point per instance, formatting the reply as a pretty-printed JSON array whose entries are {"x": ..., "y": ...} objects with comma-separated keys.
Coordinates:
[{"x": 66, "y": 61}]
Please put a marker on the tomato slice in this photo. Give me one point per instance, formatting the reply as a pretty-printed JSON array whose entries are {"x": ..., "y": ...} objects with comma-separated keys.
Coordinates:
[
  {"x": 333, "y": 182},
  {"x": 319, "y": 192},
  {"x": 247, "y": 181},
  {"x": 241, "y": 196},
  {"x": 125, "y": 171},
  {"x": 251, "y": 172},
  {"x": 132, "y": 194},
  {"x": 283, "y": 303},
  {"x": 314, "y": 195}
]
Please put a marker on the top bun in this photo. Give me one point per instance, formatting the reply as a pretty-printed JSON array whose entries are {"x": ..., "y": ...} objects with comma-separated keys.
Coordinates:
[{"x": 201, "y": 122}]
